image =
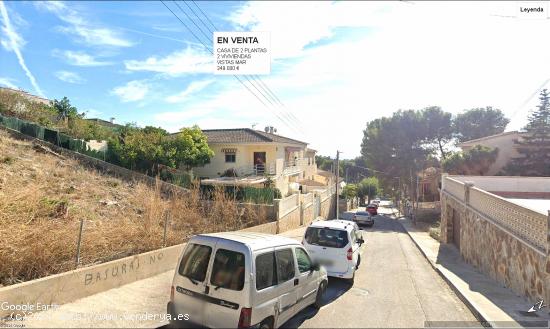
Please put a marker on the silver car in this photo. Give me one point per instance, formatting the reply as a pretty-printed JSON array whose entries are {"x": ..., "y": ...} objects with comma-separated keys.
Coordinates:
[{"x": 363, "y": 218}]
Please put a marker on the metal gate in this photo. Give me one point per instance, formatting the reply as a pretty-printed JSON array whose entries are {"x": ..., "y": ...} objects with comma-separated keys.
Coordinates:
[{"x": 316, "y": 206}]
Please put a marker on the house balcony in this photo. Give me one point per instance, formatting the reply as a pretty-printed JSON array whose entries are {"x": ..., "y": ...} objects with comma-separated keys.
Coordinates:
[
  {"x": 256, "y": 170},
  {"x": 295, "y": 167}
]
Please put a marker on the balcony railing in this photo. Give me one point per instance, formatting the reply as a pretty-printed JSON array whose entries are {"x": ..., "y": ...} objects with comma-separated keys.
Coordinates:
[
  {"x": 256, "y": 170},
  {"x": 296, "y": 166}
]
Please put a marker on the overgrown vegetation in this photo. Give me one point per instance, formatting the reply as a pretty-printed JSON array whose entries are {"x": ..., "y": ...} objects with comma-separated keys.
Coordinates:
[
  {"x": 44, "y": 197},
  {"x": 474, "y": 161},
  {"x": 147, "y": 150},
  {"x": 396, "y": 148}
]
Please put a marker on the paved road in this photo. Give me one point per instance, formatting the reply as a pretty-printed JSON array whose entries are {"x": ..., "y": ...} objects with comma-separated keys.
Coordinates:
[{"x": 394, "y": 287}]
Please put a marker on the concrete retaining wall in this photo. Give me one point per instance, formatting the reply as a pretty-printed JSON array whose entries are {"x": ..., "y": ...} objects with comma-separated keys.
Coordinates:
[
  {"x": 69, "y": 286},
  {"x": 268, "y": 228},
  {"x": 307, "y": 214},
  {"x": 328, "y": 207},
  {"x": 290, "y": 221}
]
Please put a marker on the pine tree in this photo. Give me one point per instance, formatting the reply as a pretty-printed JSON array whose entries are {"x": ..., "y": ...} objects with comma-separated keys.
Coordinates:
[{"x": 534, "y": 146}]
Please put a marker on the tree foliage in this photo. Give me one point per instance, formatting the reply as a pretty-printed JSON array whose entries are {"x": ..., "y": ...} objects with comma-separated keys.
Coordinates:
[
  {"x": 349, "y": 191},
  {"x": 475, "y": 161},
  {"x": 438, "y": 130},
  {"x": 478, "y": 123},
  {"x": 147, "y": 148},
  {"x": 368, "y": 188},
  {"x": 534, "y": 146},
  {"x": 65, "y": 111},
  {"x": 400, "y": 146}
]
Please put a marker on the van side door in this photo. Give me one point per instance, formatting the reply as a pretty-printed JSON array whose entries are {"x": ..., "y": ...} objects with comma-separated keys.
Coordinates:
[
  {"x": 287, "y": 282},
  {"x": 308, "y": 279},
  {"x": 228, "y": 285}
]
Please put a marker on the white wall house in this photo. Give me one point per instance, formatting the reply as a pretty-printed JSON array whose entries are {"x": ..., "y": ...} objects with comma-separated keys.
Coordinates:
[{"x": 256, "y": 156}]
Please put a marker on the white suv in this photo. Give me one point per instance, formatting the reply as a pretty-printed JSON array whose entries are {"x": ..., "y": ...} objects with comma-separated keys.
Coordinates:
[
  {"x": 243, "y": 279},
  {"x": 335, "y": 244}
]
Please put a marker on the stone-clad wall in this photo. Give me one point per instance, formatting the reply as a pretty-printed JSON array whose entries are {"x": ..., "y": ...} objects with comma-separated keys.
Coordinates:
[{"x": 495, "y": 251}]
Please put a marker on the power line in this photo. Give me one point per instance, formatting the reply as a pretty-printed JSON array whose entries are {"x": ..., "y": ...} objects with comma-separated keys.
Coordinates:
[
  {"x": 209, "y": 50},
  {"x": 289, "y": 116},
  {"x": 529, "y": 99}
]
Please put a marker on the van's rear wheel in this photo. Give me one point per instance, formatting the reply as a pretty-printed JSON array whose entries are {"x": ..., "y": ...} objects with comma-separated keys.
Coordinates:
[{"x": 320, "y": 292}]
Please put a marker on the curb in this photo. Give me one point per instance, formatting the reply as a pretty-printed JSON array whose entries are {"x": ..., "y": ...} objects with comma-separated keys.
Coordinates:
[{"x": 477, "y": 314}]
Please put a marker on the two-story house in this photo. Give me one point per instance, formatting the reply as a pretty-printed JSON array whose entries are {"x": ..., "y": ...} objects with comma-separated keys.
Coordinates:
[{"x": 248, "y": 157}]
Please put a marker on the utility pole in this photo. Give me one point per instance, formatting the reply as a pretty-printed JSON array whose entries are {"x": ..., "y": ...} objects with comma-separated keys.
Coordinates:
[{"x": 337, "y": 179}]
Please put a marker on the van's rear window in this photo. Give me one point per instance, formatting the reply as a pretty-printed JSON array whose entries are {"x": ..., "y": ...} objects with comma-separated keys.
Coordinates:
[
  {"x": 326, "y": 237},
  {"x": 228, "y": 270},
  {"x": 194, "y": 262}
]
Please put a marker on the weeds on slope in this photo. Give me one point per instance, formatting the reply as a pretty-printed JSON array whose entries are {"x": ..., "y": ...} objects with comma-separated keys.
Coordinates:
[{"x": 43, "y": 199}]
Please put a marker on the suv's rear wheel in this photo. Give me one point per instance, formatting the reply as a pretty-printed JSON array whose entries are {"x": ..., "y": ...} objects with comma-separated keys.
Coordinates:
[{"x": 320, "y": 292}]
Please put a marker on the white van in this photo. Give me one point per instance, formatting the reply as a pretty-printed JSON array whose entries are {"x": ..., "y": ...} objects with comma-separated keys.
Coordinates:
[
  {"x": 336, "y": 244},
  {"x": 242, "y": 280}
]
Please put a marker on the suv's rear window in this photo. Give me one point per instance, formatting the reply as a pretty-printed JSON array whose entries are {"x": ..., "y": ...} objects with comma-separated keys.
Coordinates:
[
  {"x": 326, "y": 237},
  {"x": 194, "y": 262},
  {"x": 228, "y": 270},
  {"x": 362, "y": 213}
]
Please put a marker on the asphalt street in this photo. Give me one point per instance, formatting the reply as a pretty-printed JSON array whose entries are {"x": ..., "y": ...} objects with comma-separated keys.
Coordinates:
[{"x": 394, "y": 287}]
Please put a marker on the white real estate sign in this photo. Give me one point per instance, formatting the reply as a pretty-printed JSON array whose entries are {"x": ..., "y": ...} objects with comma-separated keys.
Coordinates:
[{"x": 242, "y": 53}]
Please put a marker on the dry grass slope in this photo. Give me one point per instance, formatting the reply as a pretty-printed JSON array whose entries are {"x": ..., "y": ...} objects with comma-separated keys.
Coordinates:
[{"x": 43, "y": 198}]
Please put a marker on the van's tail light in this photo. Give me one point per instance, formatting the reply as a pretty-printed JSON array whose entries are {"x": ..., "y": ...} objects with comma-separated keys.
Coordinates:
[
  {"x": 172, "y": 294},
  {"x": 350, "y": 254},
  {"x": 245, "y": 318}
]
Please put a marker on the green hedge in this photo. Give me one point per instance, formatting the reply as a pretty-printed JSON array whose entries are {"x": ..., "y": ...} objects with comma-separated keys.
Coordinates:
[
  {"x": 247, "y": 194},
  {"x": 49, "y": 135}
]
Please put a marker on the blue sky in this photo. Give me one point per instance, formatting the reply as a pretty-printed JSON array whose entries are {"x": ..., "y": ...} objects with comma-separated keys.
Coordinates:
[{"x": 335, "y": 65}]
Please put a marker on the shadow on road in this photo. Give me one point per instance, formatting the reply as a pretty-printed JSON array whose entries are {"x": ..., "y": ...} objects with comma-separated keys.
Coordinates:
[{"x": 336, "y": 288}]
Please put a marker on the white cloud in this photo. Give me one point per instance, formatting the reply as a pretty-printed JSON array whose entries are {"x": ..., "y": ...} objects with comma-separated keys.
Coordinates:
[
  {"x": 70, "y": 77},
  {"x": 85, "y": 32},
  {"x": 132, "y": 91},
  {"x": 79, "y": 58},
  {"x": 305, "y": 22},
  {"x": 389, "y": 56},
  {"x": 12, "y": 41},
  {"x": 8, "y": 82},
  {"x": 188, "y": 60},
  {"x": 194, "y": 87}
]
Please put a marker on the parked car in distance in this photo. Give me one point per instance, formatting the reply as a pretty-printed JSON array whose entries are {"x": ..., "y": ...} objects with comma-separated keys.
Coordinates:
[
  {"x": 242, "y": 280},
  {"x": 363, "y": 218},
  {"x": 336, "y": 245},
  {"x": 372, "y": 209},
  {"x": 348, "y": 215}
]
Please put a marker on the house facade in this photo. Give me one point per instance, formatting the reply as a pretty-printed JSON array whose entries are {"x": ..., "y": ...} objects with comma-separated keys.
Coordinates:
[
  {"x": 504, "y": 142},
  {"x": 248, "y": 157}
]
